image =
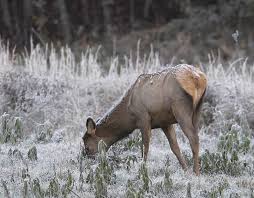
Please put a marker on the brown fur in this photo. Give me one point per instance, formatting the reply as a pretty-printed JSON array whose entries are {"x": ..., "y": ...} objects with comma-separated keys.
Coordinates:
[
  {"x": 193, "y": 81},
  {"x": 157, "y": 100}
]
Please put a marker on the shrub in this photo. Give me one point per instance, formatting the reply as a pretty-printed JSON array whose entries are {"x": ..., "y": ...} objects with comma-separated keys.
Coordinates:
[
  {"x": 32, "y": 154},
  {"x": 103, "y": 172},
  {"x": 233, "y": 141},
  {"x": 216, "y": 191},
  {"x": 220, "y": 162},
  {"x": 131, "y": 192},
  {"x": 11, "y": 129},
  {"x": 143, "y": 175}
]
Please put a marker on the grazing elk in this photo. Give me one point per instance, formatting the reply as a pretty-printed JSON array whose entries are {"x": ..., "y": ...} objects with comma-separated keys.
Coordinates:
[{"x": 157, "y": 100}]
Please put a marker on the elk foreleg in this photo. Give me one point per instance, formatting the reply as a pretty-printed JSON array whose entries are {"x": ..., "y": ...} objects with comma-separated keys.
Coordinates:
[{"x": 146, "y": 136}]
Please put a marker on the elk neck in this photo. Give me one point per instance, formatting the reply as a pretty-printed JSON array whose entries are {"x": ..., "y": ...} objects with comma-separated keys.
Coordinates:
[{"x": 117, "y": 123}]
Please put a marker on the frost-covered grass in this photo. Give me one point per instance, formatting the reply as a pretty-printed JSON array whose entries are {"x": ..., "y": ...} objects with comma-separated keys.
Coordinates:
[{"x": 46, "y": 98}]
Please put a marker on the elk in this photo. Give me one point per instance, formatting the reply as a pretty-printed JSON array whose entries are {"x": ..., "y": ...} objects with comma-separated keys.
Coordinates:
[{"x": 158, "y": 100}]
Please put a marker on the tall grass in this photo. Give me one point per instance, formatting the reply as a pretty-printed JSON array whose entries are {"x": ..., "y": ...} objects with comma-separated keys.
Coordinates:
[
  {"x": 63, "y": 64},
  {"x": 7, "y": 57}
]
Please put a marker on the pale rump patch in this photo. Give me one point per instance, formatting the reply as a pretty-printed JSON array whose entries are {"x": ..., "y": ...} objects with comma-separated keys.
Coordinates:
[{"x": 193, "y": 81}]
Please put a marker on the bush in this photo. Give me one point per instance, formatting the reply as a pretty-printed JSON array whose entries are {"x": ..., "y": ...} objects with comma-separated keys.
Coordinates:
[
  {"x": 220, "y": 162},
  {"x": 11, "y": 129},
  {"x": 103, "y": 172}
]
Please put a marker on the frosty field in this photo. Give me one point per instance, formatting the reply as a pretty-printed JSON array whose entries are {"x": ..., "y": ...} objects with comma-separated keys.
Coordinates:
[{"x": 45, "y": 98}]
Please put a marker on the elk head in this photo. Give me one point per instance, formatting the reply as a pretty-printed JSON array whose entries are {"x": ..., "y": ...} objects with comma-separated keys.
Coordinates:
[{"x": 90, "y": 139}]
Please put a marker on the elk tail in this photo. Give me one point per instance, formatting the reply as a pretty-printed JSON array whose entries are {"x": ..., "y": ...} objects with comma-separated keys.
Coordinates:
[
  {"x": 194, "y": 83},
  {"x": 197, "y": 110}
]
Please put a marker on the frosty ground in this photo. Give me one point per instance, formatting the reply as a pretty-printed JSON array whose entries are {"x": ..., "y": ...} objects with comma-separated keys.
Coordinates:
[{"x": 47, "y": 96}]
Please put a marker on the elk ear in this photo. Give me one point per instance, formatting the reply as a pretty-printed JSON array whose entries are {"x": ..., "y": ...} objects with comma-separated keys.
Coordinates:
[{"x": 91, "y": 126}]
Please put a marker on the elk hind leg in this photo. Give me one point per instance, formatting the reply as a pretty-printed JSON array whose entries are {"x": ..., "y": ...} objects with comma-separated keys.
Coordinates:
[
  {"x": 171, "y": 136},
  {"x": 183, "y": 112}
]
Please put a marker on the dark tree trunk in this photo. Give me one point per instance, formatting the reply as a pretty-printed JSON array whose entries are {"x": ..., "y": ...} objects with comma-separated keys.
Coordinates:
[
  {"x": 27, "y": 21},
  {"x": 64, "y": 18}
]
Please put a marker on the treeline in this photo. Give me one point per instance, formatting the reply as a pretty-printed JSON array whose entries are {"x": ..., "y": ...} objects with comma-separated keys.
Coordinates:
[{"x": 66, "y": 21}]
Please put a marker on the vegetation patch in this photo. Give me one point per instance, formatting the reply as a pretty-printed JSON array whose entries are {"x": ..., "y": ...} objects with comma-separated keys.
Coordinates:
[{"x": 42, "y": 119}]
